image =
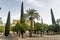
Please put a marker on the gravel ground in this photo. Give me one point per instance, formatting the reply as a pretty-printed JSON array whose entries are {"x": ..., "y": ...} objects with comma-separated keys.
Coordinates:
[{"x": 45, "y": 37}]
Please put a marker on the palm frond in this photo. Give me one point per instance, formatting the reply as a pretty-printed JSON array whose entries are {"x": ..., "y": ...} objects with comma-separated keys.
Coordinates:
[{"x": 33, "y": 14}]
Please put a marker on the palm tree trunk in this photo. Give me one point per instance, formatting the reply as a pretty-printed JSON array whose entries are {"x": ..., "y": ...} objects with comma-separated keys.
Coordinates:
[
  {"x": 31, "y": 28},
  {"x": 30, "y": 34}
]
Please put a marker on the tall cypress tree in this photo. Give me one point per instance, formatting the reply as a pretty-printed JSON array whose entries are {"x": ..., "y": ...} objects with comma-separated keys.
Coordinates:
[
  {"x": 7, "y": 26},
  {"x": 22, "y": 20},
  {"x": 52, "y": 16}
]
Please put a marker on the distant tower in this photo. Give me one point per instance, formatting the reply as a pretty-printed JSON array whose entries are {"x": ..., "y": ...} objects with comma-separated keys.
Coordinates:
[{"x": 42, "y": 20}]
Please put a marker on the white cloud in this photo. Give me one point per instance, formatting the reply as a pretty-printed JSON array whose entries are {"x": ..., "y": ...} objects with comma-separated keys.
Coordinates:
[
  {"x": 36, "y": 3},
  {"x": 33, "y": 2},
  {"x": 19, "y": 0}
]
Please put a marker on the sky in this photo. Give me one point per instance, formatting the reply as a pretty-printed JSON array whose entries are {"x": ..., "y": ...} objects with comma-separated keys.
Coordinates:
[{"x": 42, "y": 6}]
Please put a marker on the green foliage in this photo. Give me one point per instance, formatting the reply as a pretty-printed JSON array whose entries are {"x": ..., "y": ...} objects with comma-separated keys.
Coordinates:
[
  {"x": 32, "y": 28},
  {"x": 23, "y": 27},
  {"x": 20, "y": 27},
  {"x": 7, "y": 26},
  {"x": 54, "y": 28},
  {"x": 41, "y": 27},
  {"x": 16, "y": 27},
  {"x": 50, "y": 28},
  {"x": 13, "y": 29},
  {"x": 37, "y": 26},
  {"x": 1, "y": 29},
  {"x": 44, "y": 27}
]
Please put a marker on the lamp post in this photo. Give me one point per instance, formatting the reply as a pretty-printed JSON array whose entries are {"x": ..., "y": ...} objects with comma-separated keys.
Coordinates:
[{"x": 0, "y": 8}]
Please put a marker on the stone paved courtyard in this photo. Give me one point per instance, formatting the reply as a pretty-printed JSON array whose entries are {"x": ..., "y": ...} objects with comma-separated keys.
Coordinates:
[{"x": 45, "y": 37}]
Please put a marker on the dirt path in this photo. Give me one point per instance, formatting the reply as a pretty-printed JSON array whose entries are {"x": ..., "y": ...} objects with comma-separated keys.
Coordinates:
[{"x": 46, "y": 37}]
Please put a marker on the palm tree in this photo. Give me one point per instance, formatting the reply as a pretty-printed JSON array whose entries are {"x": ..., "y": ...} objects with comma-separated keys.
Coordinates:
[{"x": 32, "y": 14}]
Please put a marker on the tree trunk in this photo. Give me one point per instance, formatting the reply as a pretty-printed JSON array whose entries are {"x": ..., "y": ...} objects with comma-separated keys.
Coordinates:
[
  {"x": 37, "y": 32},
  {"x": 41, "y": 33},
  {"x": 22, "y": 34},
  {"x": 34, "y": 32},
  {"x": 19, "y": 34},
  {"x": 47, "y": 32}
]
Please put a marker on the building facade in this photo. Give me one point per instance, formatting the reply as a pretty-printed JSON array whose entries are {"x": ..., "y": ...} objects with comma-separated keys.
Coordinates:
[{"x": 28, "y": 22}]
